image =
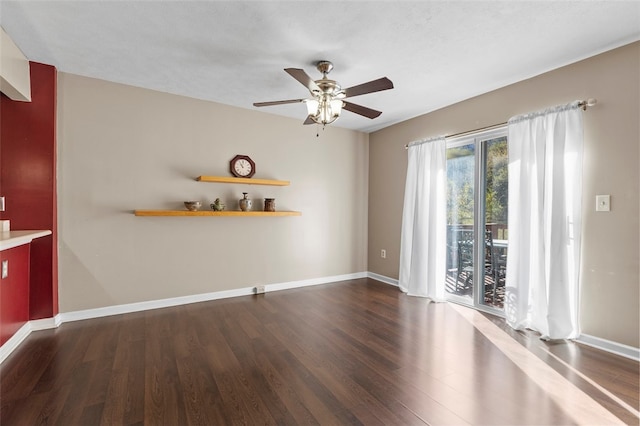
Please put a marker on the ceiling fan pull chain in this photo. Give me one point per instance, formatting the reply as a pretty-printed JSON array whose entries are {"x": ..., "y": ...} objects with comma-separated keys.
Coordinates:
[{"x": 317, "y": 129}]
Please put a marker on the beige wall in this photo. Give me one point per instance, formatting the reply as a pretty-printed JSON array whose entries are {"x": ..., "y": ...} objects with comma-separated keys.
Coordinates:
[
  {"x": 123, "y": 148},
  {"x": 610, "y": 275}
]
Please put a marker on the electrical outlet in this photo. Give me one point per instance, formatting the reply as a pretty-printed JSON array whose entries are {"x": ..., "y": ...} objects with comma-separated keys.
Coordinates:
[
  {"x": 383, "y": 253},
  {"x": 5, "y": 268},
  {"x": 260, "y": 289}
]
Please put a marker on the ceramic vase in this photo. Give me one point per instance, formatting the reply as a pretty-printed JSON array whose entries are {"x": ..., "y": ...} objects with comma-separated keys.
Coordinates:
[{"x": 245, "y": 203}]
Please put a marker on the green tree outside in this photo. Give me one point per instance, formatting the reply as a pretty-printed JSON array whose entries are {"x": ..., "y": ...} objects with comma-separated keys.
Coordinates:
[{"x": 460, "y": 185}]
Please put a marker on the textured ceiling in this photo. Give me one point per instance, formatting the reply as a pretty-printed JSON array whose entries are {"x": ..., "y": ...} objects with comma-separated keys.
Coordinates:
[{"x": 436, "y": 52}]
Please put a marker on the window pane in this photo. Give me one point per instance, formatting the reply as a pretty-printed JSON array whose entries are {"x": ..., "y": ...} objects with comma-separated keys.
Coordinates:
[
  {"x": 496, "y": 185},
  {"x": 496, "y": 232},
  {"x": 460, "y": 212}
]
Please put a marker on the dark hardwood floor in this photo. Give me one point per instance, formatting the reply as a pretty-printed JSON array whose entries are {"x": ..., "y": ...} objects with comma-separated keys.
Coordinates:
[{"x": 356, "y": 352}]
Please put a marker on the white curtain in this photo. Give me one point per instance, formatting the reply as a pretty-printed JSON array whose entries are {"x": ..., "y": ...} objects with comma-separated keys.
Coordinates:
[
  {"x": 545, "y": 222},
  {"x": 423, "y": 238}
]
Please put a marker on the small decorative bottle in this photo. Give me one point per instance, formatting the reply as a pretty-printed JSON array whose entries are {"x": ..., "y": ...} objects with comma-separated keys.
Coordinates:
[{"x": 245, "y": 203}]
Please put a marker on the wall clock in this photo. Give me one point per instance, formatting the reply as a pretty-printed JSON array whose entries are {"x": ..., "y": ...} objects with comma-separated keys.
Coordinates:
[{"x": 242, "y": 166}]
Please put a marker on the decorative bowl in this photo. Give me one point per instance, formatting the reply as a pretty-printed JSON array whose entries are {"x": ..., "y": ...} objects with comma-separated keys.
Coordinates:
[{"x": 192, "y": 206}]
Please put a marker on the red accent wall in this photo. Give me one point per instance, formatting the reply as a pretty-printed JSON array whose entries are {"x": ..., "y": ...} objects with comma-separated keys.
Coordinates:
[
  {"x": 28, "y": 181},
  {"x": 14, "y": 292}
]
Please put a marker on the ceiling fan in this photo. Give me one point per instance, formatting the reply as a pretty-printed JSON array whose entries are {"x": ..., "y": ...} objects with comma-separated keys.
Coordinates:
[{"x": 327, "y": 97}]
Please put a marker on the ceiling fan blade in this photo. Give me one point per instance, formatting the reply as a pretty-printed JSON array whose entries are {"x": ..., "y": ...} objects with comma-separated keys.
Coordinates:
[
  {"x": 290, "y": 101},
  {"x": 372, "y": 86},
  {"x": 303, "y": 78},
  {"x": 359, "y": 109},
  {"x": 309, "y": 120}
]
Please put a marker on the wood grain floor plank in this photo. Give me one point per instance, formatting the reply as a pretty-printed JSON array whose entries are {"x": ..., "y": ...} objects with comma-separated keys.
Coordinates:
[
  {"x": 19, "y": 382},
  {"x": 278, "y": 410},
  {"x": 14, "y": 413},
  {"x": 199, "y": 391},
  {"x": 163, "y": 396},
  {"x": 115, "y": 401},
  {"x": 235, "y": 388},
  {"x": 246, "y": 351},
  {"x": 285, "y": 391},
  {"x": 123, "y": 402},
  {"x": 81, "y": 382}
]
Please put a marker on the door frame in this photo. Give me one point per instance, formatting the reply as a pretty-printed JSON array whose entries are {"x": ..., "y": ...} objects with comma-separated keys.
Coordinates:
[{"x": 478, "y": 139}]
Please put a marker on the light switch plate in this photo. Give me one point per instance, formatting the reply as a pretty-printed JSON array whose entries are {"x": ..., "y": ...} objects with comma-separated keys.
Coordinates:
[
  {"x": 5, "y": 268},
  {"x": 603, "y": 203}
]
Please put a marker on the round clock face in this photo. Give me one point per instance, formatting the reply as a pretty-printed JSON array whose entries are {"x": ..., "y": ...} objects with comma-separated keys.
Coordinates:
[{"x": 242, "y": 166}]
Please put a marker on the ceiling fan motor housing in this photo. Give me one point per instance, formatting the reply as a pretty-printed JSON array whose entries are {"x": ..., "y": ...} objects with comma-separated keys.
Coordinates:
[{"x": 329, "y": 88}]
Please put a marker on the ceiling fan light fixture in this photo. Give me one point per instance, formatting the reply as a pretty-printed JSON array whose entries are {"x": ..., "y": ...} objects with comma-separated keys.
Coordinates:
[
  {"x": 312, "y": 106},
  {"x": 324, "y": 111}
]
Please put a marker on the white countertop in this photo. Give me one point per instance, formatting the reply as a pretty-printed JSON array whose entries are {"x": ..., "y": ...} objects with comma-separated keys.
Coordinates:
[{"x": 11, "y": 239}]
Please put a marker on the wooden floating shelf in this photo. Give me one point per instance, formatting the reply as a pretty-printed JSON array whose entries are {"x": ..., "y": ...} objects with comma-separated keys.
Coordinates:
[
  {"x": 249, "y": 181},
  {"x": 213, "y": 213}
]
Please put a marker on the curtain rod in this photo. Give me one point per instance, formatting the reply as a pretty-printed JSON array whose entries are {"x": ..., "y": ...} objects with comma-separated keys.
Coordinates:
[{"x": 582, "y": 104}]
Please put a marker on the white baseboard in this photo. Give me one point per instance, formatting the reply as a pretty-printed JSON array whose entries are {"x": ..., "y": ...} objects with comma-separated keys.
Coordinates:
[
  {"x": 151, "y": 304},
  {"x": 45, "y": 323},
  {"x": 314, "y": 281},
  {"x": 184, "y": 300},
  {"x": 609, "y": 346},
  {"x": 382, "y": 278},
  {"x": 15, "y": 340}
]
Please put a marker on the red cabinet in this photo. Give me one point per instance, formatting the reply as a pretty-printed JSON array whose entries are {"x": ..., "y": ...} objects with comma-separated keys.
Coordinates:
[{"x": 14, "y": 291}]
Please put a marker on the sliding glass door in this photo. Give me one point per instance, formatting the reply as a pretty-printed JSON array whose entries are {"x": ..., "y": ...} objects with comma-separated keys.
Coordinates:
[{"x": 477, "y": 234}]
